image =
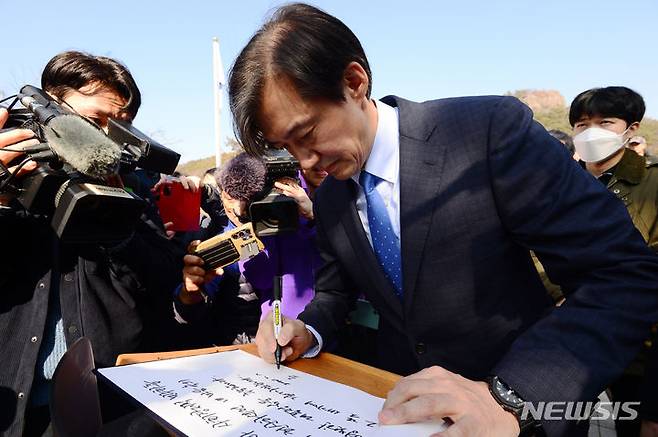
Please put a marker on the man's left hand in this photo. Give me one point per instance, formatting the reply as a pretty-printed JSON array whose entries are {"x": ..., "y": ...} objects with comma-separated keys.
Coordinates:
[{"x": 436, "y": 393}]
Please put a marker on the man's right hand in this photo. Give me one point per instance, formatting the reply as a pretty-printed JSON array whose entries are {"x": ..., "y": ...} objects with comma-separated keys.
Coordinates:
[{"x": 294, "y": 339}]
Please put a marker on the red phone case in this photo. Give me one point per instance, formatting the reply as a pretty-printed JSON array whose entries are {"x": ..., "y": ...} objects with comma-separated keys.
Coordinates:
[{"x": 179, "y": 206}]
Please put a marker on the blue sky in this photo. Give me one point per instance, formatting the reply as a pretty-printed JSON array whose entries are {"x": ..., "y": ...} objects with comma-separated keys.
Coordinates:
[{"x": 419, "y": 50}]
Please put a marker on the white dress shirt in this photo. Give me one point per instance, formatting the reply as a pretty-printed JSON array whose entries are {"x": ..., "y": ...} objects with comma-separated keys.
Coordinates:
[{"x": 383, "y": 162}]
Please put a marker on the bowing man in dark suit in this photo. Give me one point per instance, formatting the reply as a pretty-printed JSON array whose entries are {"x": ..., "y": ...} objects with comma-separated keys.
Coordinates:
[{"x": 431, "y": 209}]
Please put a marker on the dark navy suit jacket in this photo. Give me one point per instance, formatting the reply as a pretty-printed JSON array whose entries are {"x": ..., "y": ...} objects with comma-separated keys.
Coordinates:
[{"x": 481, "y": 184}]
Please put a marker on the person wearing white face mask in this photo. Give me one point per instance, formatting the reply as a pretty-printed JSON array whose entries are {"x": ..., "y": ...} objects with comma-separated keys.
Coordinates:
[
  {"x": 603, "y": 121},
  {"x": 599, "y": 145}
]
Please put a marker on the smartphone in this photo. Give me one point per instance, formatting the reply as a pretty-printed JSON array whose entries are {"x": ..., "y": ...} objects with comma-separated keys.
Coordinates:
[{"x": 179, "y": 206}]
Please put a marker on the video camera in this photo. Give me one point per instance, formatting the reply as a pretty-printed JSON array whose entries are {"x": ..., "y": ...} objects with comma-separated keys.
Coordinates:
[
  {"x": 75, "y": 158},
  {"x": 272, "y": 212}
]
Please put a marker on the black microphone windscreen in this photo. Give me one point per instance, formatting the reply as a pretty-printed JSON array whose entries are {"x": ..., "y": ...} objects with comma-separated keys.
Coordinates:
[{"x": 83, "y": 146}]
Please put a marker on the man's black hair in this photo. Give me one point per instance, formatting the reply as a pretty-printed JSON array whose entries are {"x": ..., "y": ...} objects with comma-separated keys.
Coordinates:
[
  {"x": 299, "y": 43},
  {"x": 613, "y": 101},
  {"x": 74, "y": 70}
]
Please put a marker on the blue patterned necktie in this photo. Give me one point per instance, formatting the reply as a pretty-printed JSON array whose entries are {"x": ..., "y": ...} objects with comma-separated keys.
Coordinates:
[{"x": 384, "y": 241}]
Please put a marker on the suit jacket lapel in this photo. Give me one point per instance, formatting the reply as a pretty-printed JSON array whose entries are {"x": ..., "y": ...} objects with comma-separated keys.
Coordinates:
[
  {"x": 421, "y": 166},
  {"x": 346, "y": 204},
  {"x": 420, "y": 171}
]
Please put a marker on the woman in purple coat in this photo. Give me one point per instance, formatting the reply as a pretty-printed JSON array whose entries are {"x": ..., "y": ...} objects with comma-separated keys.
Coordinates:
[{"x": 293, "y": 254}]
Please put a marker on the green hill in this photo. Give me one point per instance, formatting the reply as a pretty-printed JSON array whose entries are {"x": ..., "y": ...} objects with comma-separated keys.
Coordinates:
[{"x": 198, "y": 167}]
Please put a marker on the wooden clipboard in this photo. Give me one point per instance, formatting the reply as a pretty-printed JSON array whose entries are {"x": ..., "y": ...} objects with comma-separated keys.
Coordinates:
[{"x": 375, "y": 381}]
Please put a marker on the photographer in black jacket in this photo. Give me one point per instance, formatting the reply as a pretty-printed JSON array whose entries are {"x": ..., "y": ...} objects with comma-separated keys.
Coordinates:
[{"x": 54, "y": 292}]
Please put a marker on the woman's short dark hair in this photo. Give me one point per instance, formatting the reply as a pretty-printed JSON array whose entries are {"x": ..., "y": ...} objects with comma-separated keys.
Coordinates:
[
  {"x": 74, "y": 70},
  {"x": 243, "y": 177},
  {"x": 613, "y": 101},
  {"x": 300, "y": 43}
]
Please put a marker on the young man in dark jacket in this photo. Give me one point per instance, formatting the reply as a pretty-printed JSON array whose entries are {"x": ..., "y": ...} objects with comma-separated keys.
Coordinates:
[
  {"x": 55, "y": 292},
  {"x": 604, "y": 120}
]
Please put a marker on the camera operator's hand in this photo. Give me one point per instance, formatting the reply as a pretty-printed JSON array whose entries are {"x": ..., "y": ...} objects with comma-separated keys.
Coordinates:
[
  {"x": 17, "y": 139},
  {"x": 191, "y": 183},
  {"x": 291, "y": 188},
  {"x": 169, "y": 232},
  {"x": 164, "y": 179},
  {"x": 195, "y": 276}
]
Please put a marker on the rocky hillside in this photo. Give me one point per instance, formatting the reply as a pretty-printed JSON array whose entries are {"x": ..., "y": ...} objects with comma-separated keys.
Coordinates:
[{"x": 541, "y": 100}]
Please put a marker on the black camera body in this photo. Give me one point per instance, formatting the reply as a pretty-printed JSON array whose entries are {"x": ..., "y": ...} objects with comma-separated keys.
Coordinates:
[
  {"x": 139, "y": 150},
  {"x": 82, "y": 208},
  {"x": 274, "y": 213},
  {"x": 93, "y": 213}
]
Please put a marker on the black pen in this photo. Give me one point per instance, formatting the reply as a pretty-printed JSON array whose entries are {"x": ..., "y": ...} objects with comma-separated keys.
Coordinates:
[{"x": 277, "y": 317}]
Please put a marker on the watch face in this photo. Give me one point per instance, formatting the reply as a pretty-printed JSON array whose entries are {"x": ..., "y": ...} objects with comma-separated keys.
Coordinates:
[{"x": 507, "y": 394}]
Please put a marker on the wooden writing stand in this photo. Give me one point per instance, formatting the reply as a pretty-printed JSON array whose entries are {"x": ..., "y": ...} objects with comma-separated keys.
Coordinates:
[{"x": 328, "y": 366}]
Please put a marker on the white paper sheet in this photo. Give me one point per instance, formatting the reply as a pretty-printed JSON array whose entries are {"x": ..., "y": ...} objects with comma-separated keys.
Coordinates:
[{"x": 237, "y": 394}]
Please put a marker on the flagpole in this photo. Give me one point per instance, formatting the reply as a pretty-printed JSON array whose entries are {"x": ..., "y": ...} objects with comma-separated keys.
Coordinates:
[{"x": 218, "y": 89}]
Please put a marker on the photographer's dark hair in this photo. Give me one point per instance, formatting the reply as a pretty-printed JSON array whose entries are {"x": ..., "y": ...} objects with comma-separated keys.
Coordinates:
[
  {"x": 243, "y": 177},
  {"x": 613, "y": 101},
  {"x": 74, "y": 70},
  {"x": 211, "y": 171},
  {"x": 301, "y": 43}
]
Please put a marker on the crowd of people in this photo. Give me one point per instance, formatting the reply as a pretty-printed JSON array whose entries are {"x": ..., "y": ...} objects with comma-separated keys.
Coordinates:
[{"x": 507, "y": 264}]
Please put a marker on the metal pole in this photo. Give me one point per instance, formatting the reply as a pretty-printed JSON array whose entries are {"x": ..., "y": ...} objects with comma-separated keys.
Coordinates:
[{"x": 218, "y": 90}]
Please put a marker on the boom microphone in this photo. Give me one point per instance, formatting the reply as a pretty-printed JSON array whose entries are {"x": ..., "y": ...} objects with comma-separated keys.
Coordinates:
[
  {"x": 39, "y": 104},
  {"x": 75, "y": 141},
  {"x": 83, "y": 146}
]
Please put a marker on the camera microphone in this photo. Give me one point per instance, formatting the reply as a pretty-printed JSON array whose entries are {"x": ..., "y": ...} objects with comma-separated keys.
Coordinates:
[
  {"x": 83, "y": 146},
  {"x": 70, "y": 189},
  {"x": 74, "y": 140}
]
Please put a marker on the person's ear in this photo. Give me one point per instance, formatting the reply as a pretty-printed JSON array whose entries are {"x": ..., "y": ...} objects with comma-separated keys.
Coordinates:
[
  {"x": 632, "y": 129},
  {"x": 356, "y": 81}
]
